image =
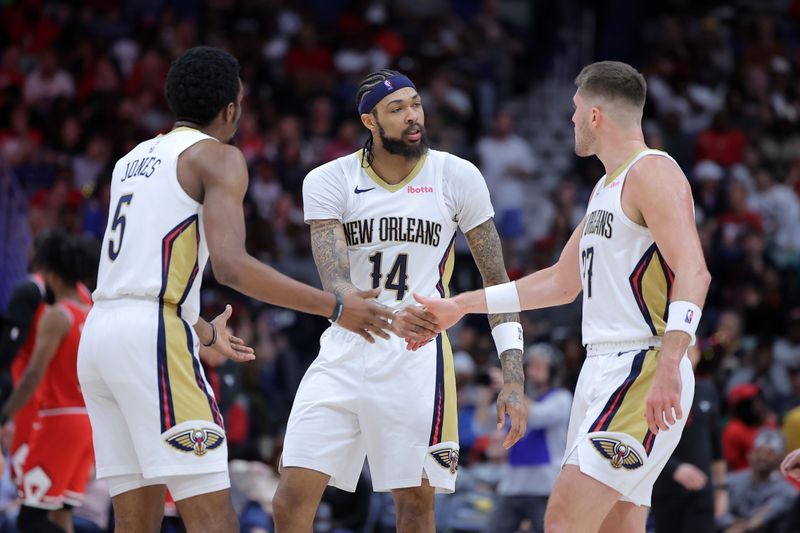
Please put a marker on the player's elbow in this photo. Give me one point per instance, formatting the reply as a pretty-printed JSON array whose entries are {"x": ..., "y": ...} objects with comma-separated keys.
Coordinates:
[
  {"x": 705, "y": 277},
  {"x": 227, "y": 270},
  {"x": 572, "y": 293}
]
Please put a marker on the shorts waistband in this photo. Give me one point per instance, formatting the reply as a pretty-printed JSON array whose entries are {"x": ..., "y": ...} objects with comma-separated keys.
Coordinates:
[{"x": 599, "y": 348}]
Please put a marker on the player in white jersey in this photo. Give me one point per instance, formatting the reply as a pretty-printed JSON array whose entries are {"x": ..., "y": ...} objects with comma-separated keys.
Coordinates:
[
  {"x": 637, "y": 258},
  {"x": 386, "y": 217},
  {"x": 176, "y": 200}
]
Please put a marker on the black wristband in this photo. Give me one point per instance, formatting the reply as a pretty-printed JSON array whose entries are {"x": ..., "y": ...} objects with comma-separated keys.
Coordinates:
[
  {"x": 213, "y": 335},
  {"x": 337, "y": 310}
]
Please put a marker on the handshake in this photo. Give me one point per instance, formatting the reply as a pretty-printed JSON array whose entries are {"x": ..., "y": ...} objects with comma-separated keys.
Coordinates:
[{"x": 417, "y": 323}]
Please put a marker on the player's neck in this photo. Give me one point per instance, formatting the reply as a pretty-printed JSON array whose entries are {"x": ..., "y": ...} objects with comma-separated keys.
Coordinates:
[
  {"x": 209, "y": 130},
  {"x": 66, "y": 293},
  {"x": 392, "y": 168},
  {"x": 618, "y": 149}
]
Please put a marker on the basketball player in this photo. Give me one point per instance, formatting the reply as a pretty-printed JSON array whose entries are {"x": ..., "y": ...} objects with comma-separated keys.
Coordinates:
[
  {"x": 637, "y": 258},
  {"x": 28, "y": 301},
  {"x": 176, "y": 200},
  {"x": 385, "y": 218},
  {"x": 56, "y": 468}
]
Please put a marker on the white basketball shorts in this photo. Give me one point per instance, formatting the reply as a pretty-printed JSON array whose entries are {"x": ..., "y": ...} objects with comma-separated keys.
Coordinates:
[
  {"x": 152, "y": 411},
  {"x": 608, "y": 436},
  {"x": 395, "y": 407}
]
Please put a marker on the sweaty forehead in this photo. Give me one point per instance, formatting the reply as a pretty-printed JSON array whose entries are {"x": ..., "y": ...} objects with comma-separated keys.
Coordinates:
[{"x": 403, "y": 95}]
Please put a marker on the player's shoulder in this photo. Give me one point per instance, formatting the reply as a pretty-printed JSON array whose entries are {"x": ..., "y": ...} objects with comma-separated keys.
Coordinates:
[
  {"x": 209, "y": 156},
  {"x": 656, "y": 169},
  {"x": 56, "y": 317},
  {"x": 455, "y": 167}
]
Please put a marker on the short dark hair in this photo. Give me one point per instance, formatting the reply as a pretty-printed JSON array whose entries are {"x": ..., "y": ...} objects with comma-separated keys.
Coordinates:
[
  {"x": 67, "y": 256},
  {"x": 201, "y": 82},
  {"x": 613, "y": 80}
]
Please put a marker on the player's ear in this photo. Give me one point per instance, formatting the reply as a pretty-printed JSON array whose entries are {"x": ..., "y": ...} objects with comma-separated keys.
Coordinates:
[
  {"x": 230, "y": 112},
  {"x": 369, "y": 122},
  {"x": 595, "y": 121}
]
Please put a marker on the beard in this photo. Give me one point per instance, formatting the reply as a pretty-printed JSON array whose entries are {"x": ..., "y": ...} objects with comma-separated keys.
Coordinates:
[
  {"x": 401, "y": 147},
  {"x": 583, "y": 143}
]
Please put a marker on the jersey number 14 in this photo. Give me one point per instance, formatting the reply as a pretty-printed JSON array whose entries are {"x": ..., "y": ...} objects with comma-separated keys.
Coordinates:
[{"x": 396, "y": 280}]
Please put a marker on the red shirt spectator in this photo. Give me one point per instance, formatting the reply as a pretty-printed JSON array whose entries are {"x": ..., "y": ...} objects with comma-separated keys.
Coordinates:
[
  {"x": 721, "y": 142},
  {"x": 749, "y": 416}
]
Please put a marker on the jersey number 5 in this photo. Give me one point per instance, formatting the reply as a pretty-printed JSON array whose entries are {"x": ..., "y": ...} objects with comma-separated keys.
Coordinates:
[
  {"x": 396, "y": 280},
  {"x": 587, "y": 259},
  {"x": 119, "y": 220}
]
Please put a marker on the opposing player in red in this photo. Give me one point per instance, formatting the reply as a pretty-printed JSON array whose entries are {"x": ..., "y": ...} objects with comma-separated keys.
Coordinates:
[
  {"x": 56, "y": 469},
  {"x": 28, "y": 301}
]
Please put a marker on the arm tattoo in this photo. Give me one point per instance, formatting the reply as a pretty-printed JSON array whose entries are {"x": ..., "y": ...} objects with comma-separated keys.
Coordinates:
[
  {"x": 330, "y": 254},
  {"x": 484, "y": 242}
]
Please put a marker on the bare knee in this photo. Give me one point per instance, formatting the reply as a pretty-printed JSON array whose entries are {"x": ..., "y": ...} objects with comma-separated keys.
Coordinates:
[
  {"x": 291, "y": 506},
  {"x": 415, "y": 511},
  {"x": 555, "y": 521},
  {"x": 284, "y": 501}
]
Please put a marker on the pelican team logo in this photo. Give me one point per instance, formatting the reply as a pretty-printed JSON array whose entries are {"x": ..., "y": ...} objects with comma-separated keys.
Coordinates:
[
  {"x": 620, "y": 455},
  {"x": 198, "y": 441},
  {"x": 447, "y": 458},
  {"x": 388, "y": 85}
]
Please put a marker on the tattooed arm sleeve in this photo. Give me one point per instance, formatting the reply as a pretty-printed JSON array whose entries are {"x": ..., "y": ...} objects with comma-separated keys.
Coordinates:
[
  {"x": 484, "y": 242},
  {"x": 330, "y": 254}
]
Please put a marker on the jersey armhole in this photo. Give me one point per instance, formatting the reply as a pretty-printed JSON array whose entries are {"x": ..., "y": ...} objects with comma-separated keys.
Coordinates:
[
  {"x": 618, "y": 198},
  {"x": 64, "y": 309},
  {"x": 439, "y": 185},
  {"x": 176, "y": 182}
]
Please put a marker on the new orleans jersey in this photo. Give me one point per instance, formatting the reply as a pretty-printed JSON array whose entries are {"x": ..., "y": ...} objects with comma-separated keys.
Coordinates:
[
  {"x": 400, "y": 237},
  {"x": 154, "y": 244},
  {"x": 626, "y": 281}
]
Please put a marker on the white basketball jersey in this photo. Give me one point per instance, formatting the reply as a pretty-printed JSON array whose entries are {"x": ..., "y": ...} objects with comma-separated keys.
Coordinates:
[
  {"x": 400, "y": 237},
  {"x": 154, "y": 246},
  {"x": 626, "y": 281}
]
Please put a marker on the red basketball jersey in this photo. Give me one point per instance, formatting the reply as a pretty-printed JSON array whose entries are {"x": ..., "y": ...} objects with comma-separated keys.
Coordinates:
[{"x": 60, "y": 387}]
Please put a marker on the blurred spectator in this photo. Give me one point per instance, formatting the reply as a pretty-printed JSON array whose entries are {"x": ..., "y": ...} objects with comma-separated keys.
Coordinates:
[
  {"x": 760, "y": 498},
  {"x": 749, "y": 414},
  {"x": 779, "y": 208},
  {"x": 48, "y": 82},
  {"x": 722, "y": 142},
  {"x": 535, "y": 461},
  {"x": 691, "y": 491},
  {"x": 506, "y": 161}
]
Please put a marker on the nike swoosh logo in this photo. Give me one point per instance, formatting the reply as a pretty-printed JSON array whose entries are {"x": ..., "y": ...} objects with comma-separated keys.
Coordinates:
[{"x": 359, "y": 191}]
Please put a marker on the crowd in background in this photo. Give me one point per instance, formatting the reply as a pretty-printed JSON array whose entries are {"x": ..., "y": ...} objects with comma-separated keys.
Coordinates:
[{"x": 81, "y": 84}]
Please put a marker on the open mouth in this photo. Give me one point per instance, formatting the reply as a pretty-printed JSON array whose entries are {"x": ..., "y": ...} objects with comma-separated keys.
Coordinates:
[{"x": 414, "y": 133}]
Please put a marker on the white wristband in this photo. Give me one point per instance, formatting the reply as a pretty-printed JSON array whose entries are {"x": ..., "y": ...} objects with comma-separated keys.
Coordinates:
[
  {"x": 684, "y": 316},
  {"x": 507, "y": 336},
  {"x": 502, "y": 298}
]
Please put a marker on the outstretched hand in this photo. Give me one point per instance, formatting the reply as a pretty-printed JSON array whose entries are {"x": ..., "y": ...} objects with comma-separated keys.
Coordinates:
[
  {"x": 227, "y": 345},
  {"x": 414, "y": 324},
  {"x": 790, "y": 467},
  {"x": 362, "y": 315},
  {"x": 446, "y": 310}
]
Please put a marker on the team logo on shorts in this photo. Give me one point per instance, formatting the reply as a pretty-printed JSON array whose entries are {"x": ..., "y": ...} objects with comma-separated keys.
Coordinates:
[
  {"x": 198, "y": 441},
  {"x": 620, "y": 455},
  {"x": 447, "y": 458}
]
